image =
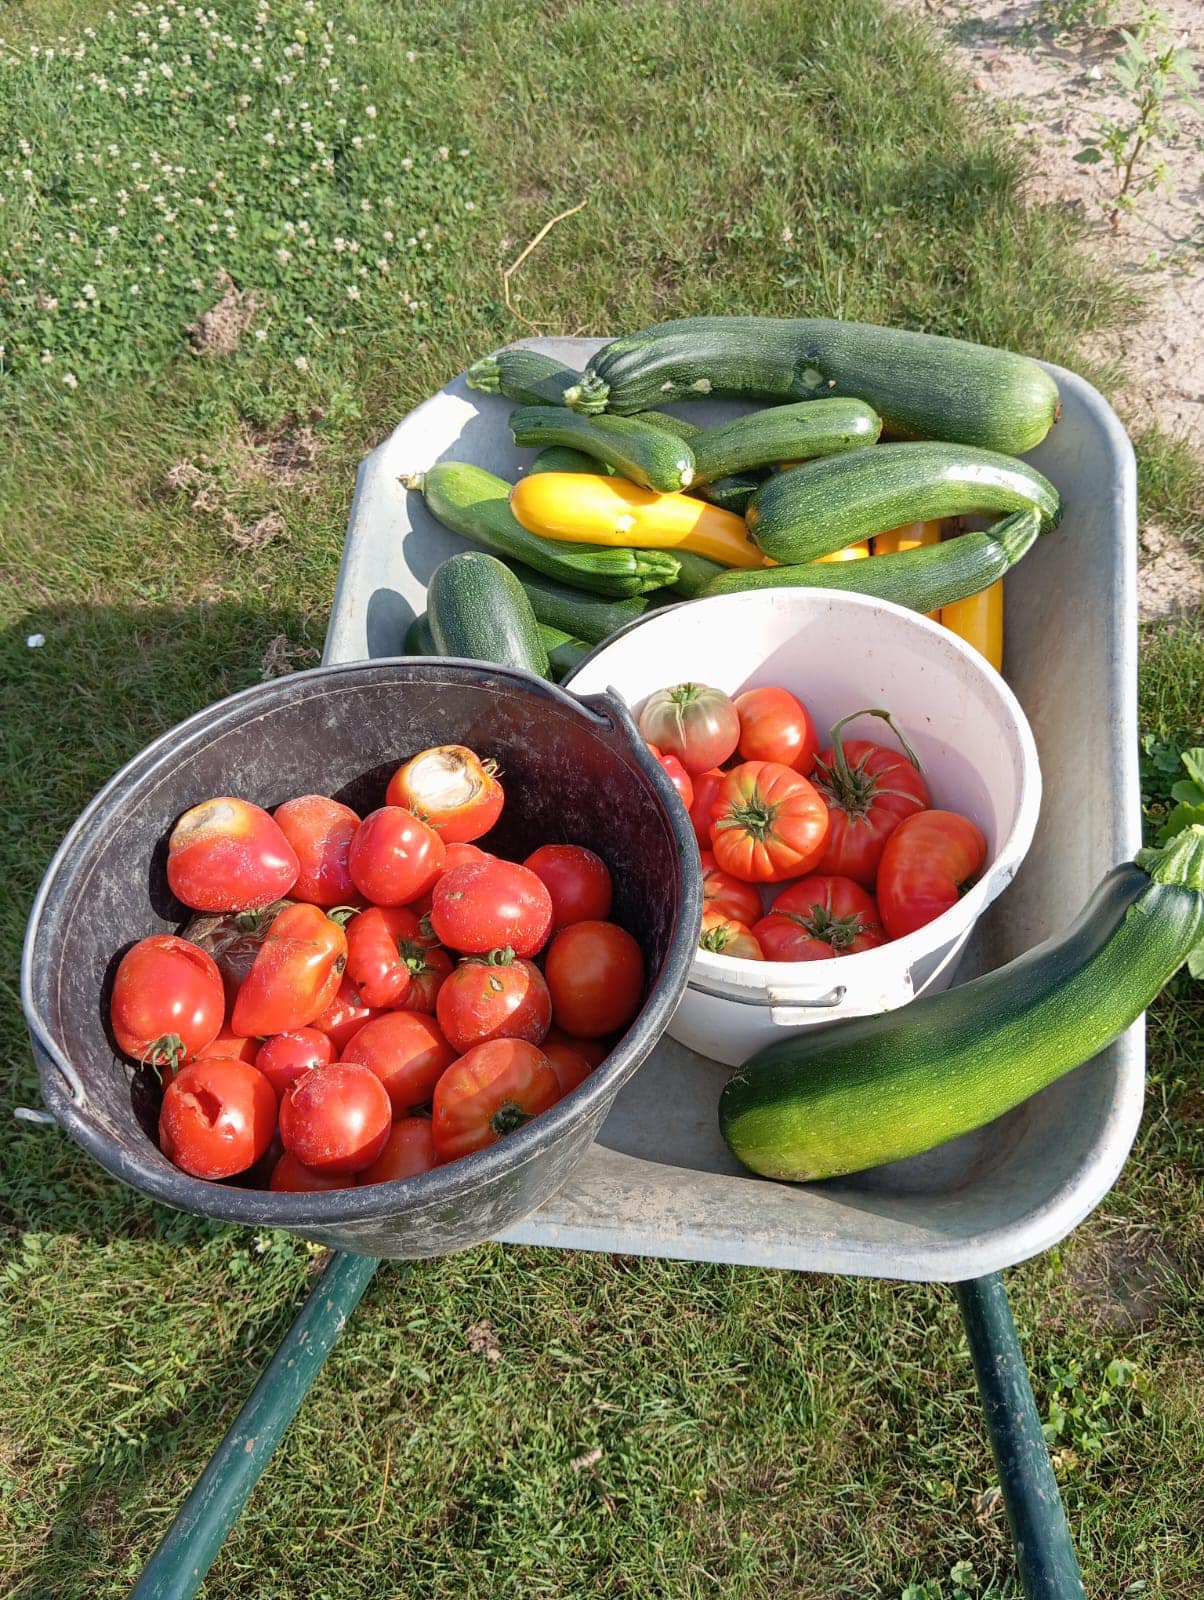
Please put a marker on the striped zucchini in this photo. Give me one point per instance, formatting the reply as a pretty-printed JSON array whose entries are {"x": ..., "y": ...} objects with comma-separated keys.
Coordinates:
[
  {"x": 524, "y": 376},
  {"x": 854, "y": 1095},
  {"x": 476, "y": 505},
  {"x": 648, "y": 456},
  {"x": 923, "y": 579},
  {"x": 477, "y": 609},
  {"x": 565, "y": 653},
  {"x": 826, "y": 505},
  {"x": 922, "y": 386},
  {"x": 783, "y": 433}
]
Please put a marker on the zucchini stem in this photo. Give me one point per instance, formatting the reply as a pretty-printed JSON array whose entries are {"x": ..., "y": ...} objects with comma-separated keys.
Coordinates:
[{"x": 1180, "y": 862}]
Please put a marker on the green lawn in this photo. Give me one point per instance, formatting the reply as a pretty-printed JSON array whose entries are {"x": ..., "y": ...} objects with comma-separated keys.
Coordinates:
[{"x": 760, "y": 1434}]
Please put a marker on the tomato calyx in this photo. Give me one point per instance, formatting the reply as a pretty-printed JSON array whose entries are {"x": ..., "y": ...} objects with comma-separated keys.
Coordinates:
[
  {"x": 168, "y": 1050},
  {"x": 756, "y": 816},
  {"x": 507, "y": 1118},
  {"x": 852, "y": 788},
  {"x": 840, "y": 932},
  {"x": 343, "y": 914},
  {"x": 414, "y": 957},
  {"x": 716, "y": 940}
]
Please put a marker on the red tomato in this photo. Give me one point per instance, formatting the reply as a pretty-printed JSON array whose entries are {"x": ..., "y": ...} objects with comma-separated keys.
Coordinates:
[
  {"x": 344, "y": 1016},
  {"x": 729, "y": 896},
  {"x": 488, "y": 905},
  {"x": 231, "y": 1046},
  {"x": 296, "y": 973},
  {"x": 394, "y": 857},
  {"x": 233, "y": 939},
  {"x": 286, "y": 1056},
  {"x": 677, "y": 775},
  {"x": 488, "y": 1093},
  {"x": 500, "y": 997},
  {"x": 594, "y": 1051},
  {"x": 320, "y": 831},
  {"x": 697, "y": 724},
  {"x": 868, "y": 789},
  {"x": 379, "y": 945},
  {"x": 168, "y": 1001},
  {"x": 569, "y": 1067},
  {"x": 768, "y": 823},
  {"x": 928, "y": 860},
  {"x": 774, "y": 726},
  {"x": 577, "y": 880},
  {"x": 290, "y": 1177},
  {"x": 409, "y": 1150},
  {"x": 451, "y": 789},
  {"x": 336, "y": 1118},
  {"x": 458, "y": 855},
  {"x": 429, "y": 971},
  {"x": 217, "y": 1118},
  {"x": 407, "y": 1051},
  {"x": 725, "y": 936},
  {"x": 595, "y": 974},
  {"x": 706, "y": 791},
  {"x": 818, "y": 918},
  {"x": 228, "y": 855}
]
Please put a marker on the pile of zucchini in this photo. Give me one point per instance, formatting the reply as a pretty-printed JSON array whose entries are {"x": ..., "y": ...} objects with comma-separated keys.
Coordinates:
[{"x": 626, "y": 507}]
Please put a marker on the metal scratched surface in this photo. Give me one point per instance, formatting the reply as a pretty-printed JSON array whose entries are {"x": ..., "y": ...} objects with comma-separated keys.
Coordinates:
[{"x": 658, "y": 1180}]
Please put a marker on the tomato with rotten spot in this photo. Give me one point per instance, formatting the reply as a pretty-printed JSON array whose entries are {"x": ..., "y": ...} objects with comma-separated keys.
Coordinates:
[
  {"x": 229, "y": 855},
  {"x": 217, "y": 1118},
  {"x": 450, "y": 788}
]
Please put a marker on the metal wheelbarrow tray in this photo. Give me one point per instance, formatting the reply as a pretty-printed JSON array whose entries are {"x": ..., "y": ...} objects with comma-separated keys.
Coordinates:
[{"x": 658, "y": 1181}]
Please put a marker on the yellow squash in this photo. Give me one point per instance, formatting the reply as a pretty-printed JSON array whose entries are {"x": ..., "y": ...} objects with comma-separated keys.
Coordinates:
[
  {"x": 581, "y": 508},
  {"x": 851, "y": 552},
  {"x": 979, "y": 621}
]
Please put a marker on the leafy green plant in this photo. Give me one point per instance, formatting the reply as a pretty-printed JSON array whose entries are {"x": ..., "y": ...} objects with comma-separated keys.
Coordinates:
[
  {"x": 1148, "y": 71},
  {"x": 1063, "y": 17},
  {"x": 1087, "y": 1405},
  {"x": 965, "y": 1586}
]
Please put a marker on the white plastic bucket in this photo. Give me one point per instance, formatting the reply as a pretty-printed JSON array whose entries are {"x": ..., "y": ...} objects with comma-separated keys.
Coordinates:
[{"x": 839, "y": 652}]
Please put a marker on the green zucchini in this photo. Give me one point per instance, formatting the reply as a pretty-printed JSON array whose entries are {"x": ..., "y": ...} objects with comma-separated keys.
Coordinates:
[
  {"x": 521, "y": 375},
  {"x": 922, "y": 386},
  {"x": 925, "y": 579},
  {"x": 825, "y": 505},
  {"x": 477, "y": 608},
  {"x": 581, "y": 615},
  {"x": 419, "y": 640},
  {"x": 677, "y": 426},
  {"x": 733, "y": 492},
  {"x": 558, "y": 458},
  {"x": 696, "y": 573},
  {"x": 783, "y": 433},
  {"x": 564, "y": 652},
  {"x": 645, "y": 454},
  {"x": 854, "y": 1095},
  {"x": 475, "y": 504}
]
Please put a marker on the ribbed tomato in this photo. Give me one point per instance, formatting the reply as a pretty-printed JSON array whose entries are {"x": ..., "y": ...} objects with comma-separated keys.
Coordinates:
[
  {"x": 927, "y": 862},
  {"x": 768, "y": 823},
  {"x": 724, "y": 936},
  {"x": 817, "y": 918},
  {"x": 869, "y": 789},
  {"x": 697, "y": 724},
  {"x": 728, "y": 895}
]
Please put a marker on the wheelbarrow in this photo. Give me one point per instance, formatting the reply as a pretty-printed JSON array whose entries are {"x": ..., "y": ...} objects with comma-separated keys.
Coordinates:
[{"x": 960, "y": 1215}]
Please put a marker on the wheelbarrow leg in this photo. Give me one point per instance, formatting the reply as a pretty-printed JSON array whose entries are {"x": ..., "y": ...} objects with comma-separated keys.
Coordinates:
[
  {"x": 189, "y": 1547},
  {"x": 1049, "y": 1569}
]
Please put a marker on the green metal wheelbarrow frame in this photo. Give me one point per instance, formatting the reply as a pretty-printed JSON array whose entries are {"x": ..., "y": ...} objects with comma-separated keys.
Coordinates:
[{"x": 1045, "y": 1554}]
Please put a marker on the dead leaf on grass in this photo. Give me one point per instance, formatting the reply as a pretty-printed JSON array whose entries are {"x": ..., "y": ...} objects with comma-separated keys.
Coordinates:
[
  {"x": 282, "y": 656},
  {"x": 218, "y": 331},
  {"x": 482, "y": 1340}
]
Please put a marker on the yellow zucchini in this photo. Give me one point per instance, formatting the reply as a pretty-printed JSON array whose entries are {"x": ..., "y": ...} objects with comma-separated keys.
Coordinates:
[
  {"x": 581, "y": 508},
  {"x": 851, "y": 552},
  {"x": 979, "y": 621}
]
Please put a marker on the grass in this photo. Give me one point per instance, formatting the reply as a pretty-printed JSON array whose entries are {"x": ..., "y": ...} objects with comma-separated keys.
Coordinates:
[{"x": 760, "y": 1434}]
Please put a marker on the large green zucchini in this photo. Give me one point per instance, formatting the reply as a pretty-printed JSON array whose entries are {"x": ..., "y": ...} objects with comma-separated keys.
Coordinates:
[
  {"x": 477, "y": 608},
  {"x": 783, "y": 433},
  {"x": 524, "y": 376},
  {"x": 646, "y": 454}
]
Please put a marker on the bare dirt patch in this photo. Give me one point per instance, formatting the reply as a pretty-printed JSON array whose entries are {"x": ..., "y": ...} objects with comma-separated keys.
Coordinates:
[
  {"x": 286, "y": 453},
  {"x": 1121, "y": 1278},
  {"x": 219, "y": 331},
  {"x": 482, "y": 1341}
]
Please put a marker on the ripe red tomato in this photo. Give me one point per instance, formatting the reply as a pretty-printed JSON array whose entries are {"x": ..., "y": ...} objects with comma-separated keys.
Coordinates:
[
  {"x": 501, "y": 996},
  {"x": 768, "y": 823},
  {"x": 407, "y": 1051},
  {"x": 595, "y": 974},
  {"x": 286, "y": 1056},
  {"x": 233, "y": 939},
  {"x": 336, "y": 1118},
  {"x": 577, "y": 880},
  {"x": 488, "y": 1093},
  {"x": 217, "y": 1118},
  {"x": 344, "y": 1016},
  {"x": 725, "y": 936},
  {"x": 394, "y": 857},
  {"x": 290, "y": 1177},
  {"x": 774, "y": 726},
  {"x": 697, "y": 724},
  {"x": 296, "y": 973},
  {"x": 569, "y": 1067},
  {"x": 228, "y": 855},
  {"x": 429, "y": 971},
  {"x": 868, "y": 789},
  {"x": 381, "y": 942},
  {"x": 451, "y": 789},
  {"x": 320, "y": 831},
  {"x": 409, "y": 1150},
  {"x": 817, "y": 918},
  {"x": 677, "y": 775},
  {"x": 926, "y": 863},
  {"x": 594, "y": 1051},
  {"x": 488, "y": 905},
  {"x": 458, "y": 855},
  {"x": 706, "y": 791},
  {"x": 729, "y": 896},
  {"x": 168, "y": 1002},
  {"x": 231, "y": 1046}
]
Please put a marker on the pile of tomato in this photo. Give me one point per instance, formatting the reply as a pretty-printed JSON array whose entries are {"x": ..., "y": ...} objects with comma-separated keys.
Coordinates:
[
  {"x": 849, "y": 830},
  {"x": 357, "y": 1000}
]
